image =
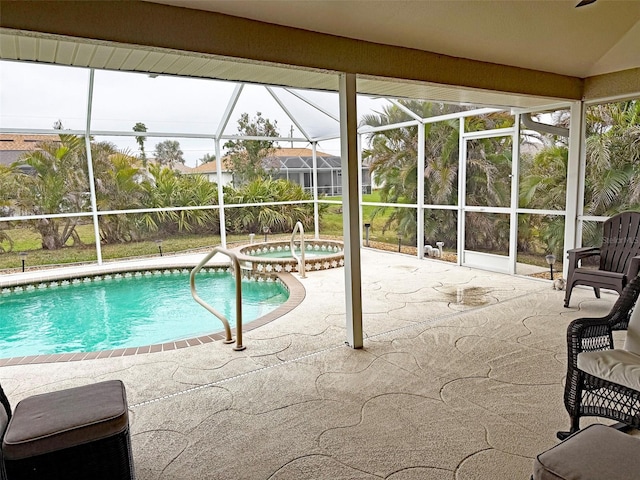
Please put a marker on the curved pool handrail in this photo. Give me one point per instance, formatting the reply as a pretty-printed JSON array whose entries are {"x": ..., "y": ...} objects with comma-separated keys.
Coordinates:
[
  {"x": 300, "y": 259},
  {"x": 238, "y": 275}
]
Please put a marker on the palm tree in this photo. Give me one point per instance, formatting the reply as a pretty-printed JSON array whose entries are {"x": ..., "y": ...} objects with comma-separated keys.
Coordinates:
[
  {"x": 141, "y": 127},
  {"x": 118, "y": 181},
  {"x": 392, "y": 156},
  {"x": 613, "y": 156},
  {"x": 56, "y": 183},
  {"x": 612, "y": 180},
  {"x": 277, "y": 218},
  {"x": 6, "y": 185},
  {"x": 168, "y": 188}
]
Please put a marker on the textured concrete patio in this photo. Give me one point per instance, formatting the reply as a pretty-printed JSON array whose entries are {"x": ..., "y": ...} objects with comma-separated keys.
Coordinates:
[{"x": 460, "y": 378}]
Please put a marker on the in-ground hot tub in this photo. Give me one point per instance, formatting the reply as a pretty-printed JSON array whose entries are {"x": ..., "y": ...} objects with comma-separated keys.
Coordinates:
[{"x": 275, "y": 257}]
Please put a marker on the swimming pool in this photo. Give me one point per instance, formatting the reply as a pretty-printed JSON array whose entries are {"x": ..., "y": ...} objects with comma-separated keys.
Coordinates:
[{"x": 124, "y": 310}]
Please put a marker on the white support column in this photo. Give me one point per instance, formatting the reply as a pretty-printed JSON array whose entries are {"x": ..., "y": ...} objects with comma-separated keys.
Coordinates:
[
  {"x": 350, "y": 208},
  {"x": 515, "y": 188},
  {"x": 420, "y": 193},
  {"x": 575, "y": 181},
  {"x": 223, "y": 228},
  {"x": 314, "y": 176},
  {"x": 360, "y": 223},
  {"x": 92, "y": 187},
  {"x": 462, "y": 189}
]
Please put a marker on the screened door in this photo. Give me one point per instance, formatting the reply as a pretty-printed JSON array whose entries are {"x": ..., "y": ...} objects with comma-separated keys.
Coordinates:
[{"x": 487, "y": 223}]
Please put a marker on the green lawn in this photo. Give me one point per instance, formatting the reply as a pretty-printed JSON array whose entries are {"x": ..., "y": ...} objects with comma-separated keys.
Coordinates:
[
  {"x": 332, "y": 221},
  {"x": 27, "y": 240}
]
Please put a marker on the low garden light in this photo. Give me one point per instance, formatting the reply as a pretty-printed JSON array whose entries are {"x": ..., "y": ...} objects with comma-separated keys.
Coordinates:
[
  {"x": 551, "y": 259},
  {"x": 159, "y": 244},
  {"x": 399, "y": 241},
  {"x": 367, "y": 226},
  {"x": 265, "y": 230},
  {"x": 23, "y": 258}
]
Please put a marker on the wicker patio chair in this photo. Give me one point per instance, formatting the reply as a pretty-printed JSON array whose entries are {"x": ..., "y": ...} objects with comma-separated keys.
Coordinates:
[
  {"x": 619, "y": 257},
  {"x": 600, "y": 393},
  {"x": 79, "y": 433}
]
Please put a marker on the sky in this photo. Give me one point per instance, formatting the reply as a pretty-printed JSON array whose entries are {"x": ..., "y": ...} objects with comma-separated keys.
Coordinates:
[{"x": 35, "y": 96}]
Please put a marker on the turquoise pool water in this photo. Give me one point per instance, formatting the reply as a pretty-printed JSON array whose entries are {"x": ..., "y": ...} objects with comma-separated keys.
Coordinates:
[
  {"x": 287, "y": 253},
  {"x": 129, "y": 311}
]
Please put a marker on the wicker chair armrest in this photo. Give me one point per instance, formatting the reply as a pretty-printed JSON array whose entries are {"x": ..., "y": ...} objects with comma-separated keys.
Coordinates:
[
  {"x": 576, "y": 254},
  {"x": 583, "y": 334},
  {"x": 586, "y": 335}
]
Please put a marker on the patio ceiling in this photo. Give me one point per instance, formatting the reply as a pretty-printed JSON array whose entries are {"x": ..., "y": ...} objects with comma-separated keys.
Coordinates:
[
  {"x": 477, "y": 43},
  {"x": 60, "y": 50},
  {"x": 550, "y": 36}
]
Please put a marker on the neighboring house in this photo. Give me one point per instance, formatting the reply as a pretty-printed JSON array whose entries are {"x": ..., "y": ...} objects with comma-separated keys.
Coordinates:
[
  {"x": 209, "y": 170},
  {"x": 296, "y": 165},
  {"x": 13, "y": 146}
]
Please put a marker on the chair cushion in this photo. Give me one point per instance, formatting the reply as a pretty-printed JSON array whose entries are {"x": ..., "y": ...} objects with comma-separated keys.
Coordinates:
[
  {"x": 617, "y": 366},
  {"x": 66, "y": 418},
  {"x": 632, "y": 342},
  {"x": 596, "y": 452}
]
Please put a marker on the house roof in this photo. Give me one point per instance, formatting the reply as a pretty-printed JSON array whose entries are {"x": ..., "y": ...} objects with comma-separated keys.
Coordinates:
[
  {"x": 284, "y": 159},
  {"x": 301, "y": 158},
  {"x": 12, "y": 146},
  {"x": 209, "y": 167},
  {"x": 23, "y": 143},
  {"x": 298, "y": 152}
]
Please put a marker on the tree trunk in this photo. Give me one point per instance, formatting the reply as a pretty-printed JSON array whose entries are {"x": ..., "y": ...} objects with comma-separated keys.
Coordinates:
[{"x": 48, "y": 230}]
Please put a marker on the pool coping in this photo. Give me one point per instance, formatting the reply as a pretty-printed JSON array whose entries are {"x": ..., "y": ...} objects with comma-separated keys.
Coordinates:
[{"x": 296, "y": 290}]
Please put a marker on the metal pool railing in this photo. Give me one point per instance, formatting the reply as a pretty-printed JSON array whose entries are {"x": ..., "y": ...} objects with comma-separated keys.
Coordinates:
[
  {"x": 299, "y": 259},
  {"x": 238, "y": 276}
]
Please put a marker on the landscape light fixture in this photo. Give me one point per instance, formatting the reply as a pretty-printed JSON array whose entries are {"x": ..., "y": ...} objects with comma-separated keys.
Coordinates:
[
  {"x": 399, "y": 241},
  {"x": 266, "y": 232},
  {"x": 159, "y": 243},
  {"x": 551, "y": 259},
  {"x": 23, "y": 257},
  {"x": 367, "y": 226}
]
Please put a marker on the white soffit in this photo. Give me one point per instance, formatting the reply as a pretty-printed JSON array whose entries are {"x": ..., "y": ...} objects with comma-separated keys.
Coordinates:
[
  {"x": 407, "y": 89},
  {"x": 27, "y": 46}
]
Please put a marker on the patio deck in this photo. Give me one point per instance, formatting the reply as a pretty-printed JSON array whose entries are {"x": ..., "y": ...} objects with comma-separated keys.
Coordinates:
[{"x": 461, "y": 378}]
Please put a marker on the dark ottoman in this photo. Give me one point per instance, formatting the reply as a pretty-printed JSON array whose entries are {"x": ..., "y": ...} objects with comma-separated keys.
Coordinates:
[
  {"x": 77, "y": 433},
  {"x": 597, "y": 452}
]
